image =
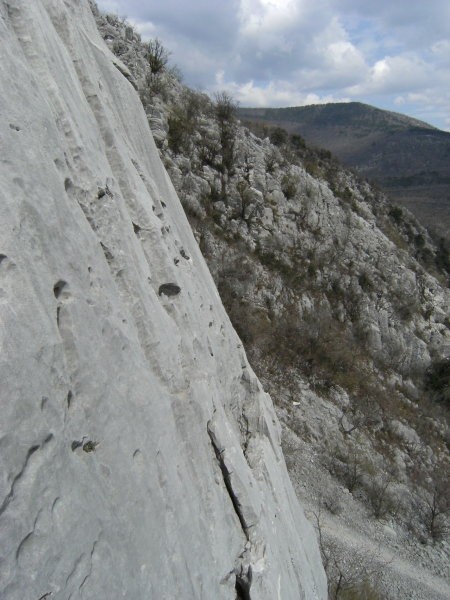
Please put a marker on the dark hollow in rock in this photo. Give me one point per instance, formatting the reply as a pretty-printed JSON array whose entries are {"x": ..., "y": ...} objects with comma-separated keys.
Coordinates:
[
  {"x": 183, "y": 254},
  {"x": 169, "y": 289},
  {"x": 101, "y": 192},
  {"x": 136, "y": 228},
  {"x": 109, "y": 257},
  {"x": 243, "y": 584},
  {"x": 2, "y": 258},
  {"x": 90, "y": 446},
  {"x": 58, "y": 288}
]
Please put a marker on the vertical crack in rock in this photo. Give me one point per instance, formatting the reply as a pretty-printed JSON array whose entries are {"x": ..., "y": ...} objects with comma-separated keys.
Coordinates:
[
  {"x": 243, "y": 572},
  {"x": 244, "y": 426},
  {"x": 243, "y": 583}
]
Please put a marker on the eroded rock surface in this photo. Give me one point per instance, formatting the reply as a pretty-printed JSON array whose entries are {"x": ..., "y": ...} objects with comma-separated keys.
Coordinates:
[{"x": 140, "y": 457}]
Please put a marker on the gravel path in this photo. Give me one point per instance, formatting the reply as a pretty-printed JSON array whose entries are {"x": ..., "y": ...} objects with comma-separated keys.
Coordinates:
[{"x": 400, "y": 578}]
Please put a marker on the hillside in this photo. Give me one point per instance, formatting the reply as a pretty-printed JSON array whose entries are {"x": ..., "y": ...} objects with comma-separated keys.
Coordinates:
[
  {"x": 409, "y": 159},
  {"x": 340, "y": 299}
]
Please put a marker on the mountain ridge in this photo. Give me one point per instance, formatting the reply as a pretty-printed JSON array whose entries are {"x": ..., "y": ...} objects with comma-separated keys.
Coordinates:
[
  {"x": 408, "y": 158},
  {"x": 348, "y": 111}
]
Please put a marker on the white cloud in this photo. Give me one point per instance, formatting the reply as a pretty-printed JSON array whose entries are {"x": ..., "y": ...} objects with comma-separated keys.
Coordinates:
[
  {"x": 111, "y": 6},
  {"x": 267, "y": 17},
  {"x": 276, "y": 93},
  {"x": 395, "y": 75},
  {"x": 293, "y": 51}
]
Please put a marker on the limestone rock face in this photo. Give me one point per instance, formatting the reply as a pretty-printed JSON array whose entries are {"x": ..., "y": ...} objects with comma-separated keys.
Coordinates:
[{"x": 140, "y": 457}]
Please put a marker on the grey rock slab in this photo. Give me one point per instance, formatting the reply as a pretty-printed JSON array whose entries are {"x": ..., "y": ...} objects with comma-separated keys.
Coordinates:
[{"x": 110, "y": 486}]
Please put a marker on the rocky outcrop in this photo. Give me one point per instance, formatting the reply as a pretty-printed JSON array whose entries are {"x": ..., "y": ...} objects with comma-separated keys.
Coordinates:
[{"x": 140, "y": 455}]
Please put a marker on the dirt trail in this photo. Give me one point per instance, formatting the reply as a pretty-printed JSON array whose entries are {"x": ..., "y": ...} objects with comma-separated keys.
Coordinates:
[{"x": 402, "y": 579}]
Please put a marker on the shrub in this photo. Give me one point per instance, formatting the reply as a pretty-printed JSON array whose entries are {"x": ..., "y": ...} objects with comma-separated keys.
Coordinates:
[
  {"x": 365, "y": 282},
  {"x": 289, "y": 185},
  {"x": 324, "y": 154},
  {"x": 297, "y": 141},
  {"x": 397, "y": 214},
  {"x": 278, "y": 136},
  {"x": 119, "y": 47},
  {"x": 178, "y": 134},
  {"x": 434, "y": 506},
  {"x": 380, "y": 497},
  {"x": 443, "y": 255},
  {"x": 156, "y": 55},
  {"x": 348, "y": 579},
  {"x": 437, "y": 380},
  {"x": 183, "y": 121},
  {"x": 419, "y": 240},
  {"x": 225, "y": 113},
  {"x": 271, "y": 159},
  {"x": 312, "y": 167}
]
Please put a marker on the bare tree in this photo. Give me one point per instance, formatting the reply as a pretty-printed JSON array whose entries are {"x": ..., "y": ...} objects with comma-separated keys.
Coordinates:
[
  {"x": 157, "y": 56},
  {"x": 349, "y": 577},
  {"x": 225, "y": 113},
  {"x": 435, "y": 504},
  {"x": 379, "y": 495}
]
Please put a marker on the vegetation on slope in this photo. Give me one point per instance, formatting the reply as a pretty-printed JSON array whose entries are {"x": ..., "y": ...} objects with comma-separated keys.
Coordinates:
[{"x": 407, "y": 157}]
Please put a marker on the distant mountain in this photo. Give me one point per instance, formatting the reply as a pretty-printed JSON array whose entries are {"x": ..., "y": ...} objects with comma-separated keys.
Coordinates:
[{"x": 407, "y": 157}]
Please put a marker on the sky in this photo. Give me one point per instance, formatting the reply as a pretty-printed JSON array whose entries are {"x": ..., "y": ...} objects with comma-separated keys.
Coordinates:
[{"x": 394, "y": 54}]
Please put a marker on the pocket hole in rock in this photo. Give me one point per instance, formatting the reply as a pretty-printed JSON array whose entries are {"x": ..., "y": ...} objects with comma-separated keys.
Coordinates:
[{"x": 58, "y": 288}]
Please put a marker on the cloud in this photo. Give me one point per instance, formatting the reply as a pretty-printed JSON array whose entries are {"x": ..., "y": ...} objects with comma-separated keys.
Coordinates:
[
  {"x": 110, "y": 6},
  {"x": 290, "y": 51},
  {"x": 413, "y": 24},
  {"x": 265, "y": 17},
  {"x": 394, "y": 75},
  {"x": 276, "y": 93}
]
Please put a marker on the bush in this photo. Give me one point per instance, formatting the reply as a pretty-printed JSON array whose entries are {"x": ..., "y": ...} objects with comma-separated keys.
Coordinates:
[
  {"x": 324, "y": 154},
  {"x": 312, "y": 167},
  {"x": 297, "y": 141},
  {"x": 397, "y": 214},
  {"x": 289, "y": 185},
  {"x": 119, "y": 47},
  {"x": 443, "y": 255},
  {"x": 419, "y": 240},
  {"x": 183, "y": 121},
  {"x": 225, "y": 112},
  {"x": 278, "y": 136},
  {"x": 156, "y": 55},
  {"x": 178, "y": 134},
  {"x": 365, "y": 282},
  {"x": 348, "y": 579},
  {"x": 437, "y": 380},
  {"x": 380, "y": 497}
]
